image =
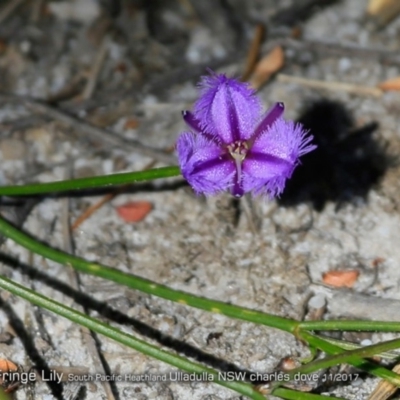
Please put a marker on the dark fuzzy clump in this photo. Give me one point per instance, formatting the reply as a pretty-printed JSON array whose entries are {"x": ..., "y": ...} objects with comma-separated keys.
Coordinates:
[{"x": 346, "y": 164}]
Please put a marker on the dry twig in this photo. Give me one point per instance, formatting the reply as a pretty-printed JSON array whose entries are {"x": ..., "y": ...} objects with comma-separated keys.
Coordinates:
[
  {"x": 96, "y": 68},
  {"x": 69, "y": 90},
  {"x": 336, "y": 49},
  {"x": 9, "y": 9},
  {"x": 89, "y": 131},
  {"x": 334, "y": 85},
  {"x": 299, "y": 11},
  {"x": 254, "y": 52},
  {"x": 37, "y": 7},
  {"x": 385, "y": 389},
  {"x": 93, "y": 208},
  {"x": 107, "y": 198}
]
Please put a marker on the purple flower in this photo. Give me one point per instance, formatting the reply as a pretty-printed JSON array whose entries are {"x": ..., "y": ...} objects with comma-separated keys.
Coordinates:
[{"x": 232, "y": 146}]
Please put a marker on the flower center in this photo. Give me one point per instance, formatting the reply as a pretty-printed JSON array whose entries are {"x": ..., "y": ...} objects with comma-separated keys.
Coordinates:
[{"x": 238, "y": 150}]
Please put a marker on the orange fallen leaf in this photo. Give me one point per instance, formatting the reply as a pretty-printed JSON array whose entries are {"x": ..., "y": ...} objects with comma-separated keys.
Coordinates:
[
  {"x": 267, "y": 66},
  {"x": 131, "y": 123},
  {"x": 134, "y": 211},
  {"x": 390, "y": 84},
  {"x": 340, "y": 278}
]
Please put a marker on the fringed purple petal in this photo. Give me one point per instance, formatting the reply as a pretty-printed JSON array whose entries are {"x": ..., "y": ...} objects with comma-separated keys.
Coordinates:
[
  {"x": 269, "y": 118},
  {"x": 284, "y": 139},
  {"x": 193, "y": 123},
  {"x": 203, "y": 165},
  {"x": 265, "y": 174},
  {"x": 227, "y": 108},
  {"x": 273, "y": 158},
  {"x": 262, "y": 187},
  {"x": 265, "y": 166}
]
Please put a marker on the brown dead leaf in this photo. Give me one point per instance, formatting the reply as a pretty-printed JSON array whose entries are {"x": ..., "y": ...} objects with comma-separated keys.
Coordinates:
[
  {"x": 374, "y": 6},
  {"x": 134, "y": 211},
  {"x": 340, "y": 278},
  {"x": 267, "y": 66},
  {"x": 131, "y": 123},
  {"x": 390, "y": 84},
  {"x": 383, "y": 11}
]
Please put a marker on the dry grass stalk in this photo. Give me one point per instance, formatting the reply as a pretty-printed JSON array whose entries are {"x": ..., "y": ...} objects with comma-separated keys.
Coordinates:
[{"x": 333, "y": 85}]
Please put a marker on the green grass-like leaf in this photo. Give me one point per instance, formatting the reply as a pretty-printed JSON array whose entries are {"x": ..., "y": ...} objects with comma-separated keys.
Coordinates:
[
  {"x": 125, "y": 338},
  {"x": 147, "y": 286},
  {"x": 89, "y": 183}
]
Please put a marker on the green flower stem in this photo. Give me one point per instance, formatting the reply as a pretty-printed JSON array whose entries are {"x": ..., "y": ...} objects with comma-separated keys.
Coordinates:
[
  {"x": 345, "y": 357},
  {"x": 345, "y": 345},
  {"x": 289, "y": 394},
  {"x": 87, "y": 183},
  {"x": 381, "y": 326},
  {"x": 354, "y": 358},
  {"x": 126, "y": 339},
  {"x": 145, "y": 285},
  {"x": 3, "y": 395}
]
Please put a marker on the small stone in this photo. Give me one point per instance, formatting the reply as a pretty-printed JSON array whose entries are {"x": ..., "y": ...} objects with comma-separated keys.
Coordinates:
[{"x": 12, "y": 149}]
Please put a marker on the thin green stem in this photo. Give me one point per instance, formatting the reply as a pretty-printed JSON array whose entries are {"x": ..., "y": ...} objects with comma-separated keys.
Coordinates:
[
  {"x": 354, "y": 359},
  {"x": 352, "y": 356},
  {"x": 345, "y": 345},
  {"x": 91, "y": 182},
  {"x": 127, "y": 339},
  {"x": 342, "y": 356},
  {"x": 144, "y": 285},
  {"x": 334, "y": 325},
  {"x": 3, "y": 395}
]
